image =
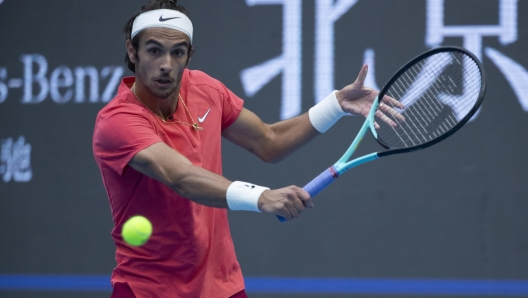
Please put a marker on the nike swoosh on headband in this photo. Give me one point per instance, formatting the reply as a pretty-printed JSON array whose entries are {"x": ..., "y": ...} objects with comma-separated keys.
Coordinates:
[
  {"x": 202, "y": 119},
  {"x": 161, "y": 19}
]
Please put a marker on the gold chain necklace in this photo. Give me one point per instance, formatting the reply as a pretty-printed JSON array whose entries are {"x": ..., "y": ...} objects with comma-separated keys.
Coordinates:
[{"x": 193, "y": 125}]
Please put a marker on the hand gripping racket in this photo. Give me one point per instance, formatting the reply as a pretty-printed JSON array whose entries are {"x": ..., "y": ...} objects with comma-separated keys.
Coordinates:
[{"x": 426, "y": 101}]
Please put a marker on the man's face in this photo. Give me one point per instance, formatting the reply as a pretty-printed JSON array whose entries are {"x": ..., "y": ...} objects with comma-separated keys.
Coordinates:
[{"x": 163, "y": 54}]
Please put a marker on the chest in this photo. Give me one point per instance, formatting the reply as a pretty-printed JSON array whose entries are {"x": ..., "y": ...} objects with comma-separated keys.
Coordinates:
[{"x": 202, "y": 146}]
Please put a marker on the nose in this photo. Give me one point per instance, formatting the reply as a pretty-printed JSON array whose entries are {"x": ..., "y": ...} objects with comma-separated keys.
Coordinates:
[{"x": 165, "y": 65}]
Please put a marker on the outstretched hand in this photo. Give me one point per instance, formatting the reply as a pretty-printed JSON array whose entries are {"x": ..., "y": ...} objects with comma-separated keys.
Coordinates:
[{"x": 356, "y": 99}]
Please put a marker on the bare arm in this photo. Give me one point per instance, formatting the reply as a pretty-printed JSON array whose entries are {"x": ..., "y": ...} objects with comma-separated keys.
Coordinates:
[
  {"x": 168, "y": 166},
  {"x": 273, "y": 142}
]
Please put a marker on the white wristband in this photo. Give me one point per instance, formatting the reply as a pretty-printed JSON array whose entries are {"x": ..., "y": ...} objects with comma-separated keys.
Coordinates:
[
  {"x": 326, "y": 113},
  {"x": 244, "y": 196}
]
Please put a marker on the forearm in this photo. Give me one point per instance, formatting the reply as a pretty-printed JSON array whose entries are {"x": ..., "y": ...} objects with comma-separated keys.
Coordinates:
[
  {"x": 169, "y": 167},
  {"x": 209, "y": 189},
  {"x": 286, "y": 136},
  {"x": 293, "y": 133},
  {"x": 273, "y": 142},
  {"x": 200, "y": 186}
]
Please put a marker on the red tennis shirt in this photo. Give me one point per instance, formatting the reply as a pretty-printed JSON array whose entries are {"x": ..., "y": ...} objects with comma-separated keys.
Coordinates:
[{"x": 190, "y": 252}]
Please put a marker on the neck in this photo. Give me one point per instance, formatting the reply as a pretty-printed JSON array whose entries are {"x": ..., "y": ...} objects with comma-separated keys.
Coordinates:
[{"x": 163, "y": 107}]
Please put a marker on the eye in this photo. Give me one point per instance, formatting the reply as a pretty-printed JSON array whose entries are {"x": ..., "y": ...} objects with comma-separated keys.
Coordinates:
[
  {"x": 154, "y": 51},
  {"x": 179, "y": 52}
]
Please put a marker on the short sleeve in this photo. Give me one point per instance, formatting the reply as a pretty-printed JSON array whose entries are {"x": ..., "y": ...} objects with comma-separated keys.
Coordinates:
[
  {"x": 120, "y": 136},
  {"x": 231, "y": 107}
]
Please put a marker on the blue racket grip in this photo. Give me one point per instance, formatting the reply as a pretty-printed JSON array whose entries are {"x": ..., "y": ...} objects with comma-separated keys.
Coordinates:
[{"x": 318, "y": 184}]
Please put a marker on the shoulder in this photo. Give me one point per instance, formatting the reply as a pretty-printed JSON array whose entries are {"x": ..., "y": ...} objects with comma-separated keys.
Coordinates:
[
  {"x": 121, "y": 125},
  {"x": 120, "y": 106},
  {"x": 200, "y": 78},
  {"x": 201, "y": 87},
  {"x": 121, "y": 115},
  {"x": 124, "y": 103},
  {"x": 196, "y": 76}
]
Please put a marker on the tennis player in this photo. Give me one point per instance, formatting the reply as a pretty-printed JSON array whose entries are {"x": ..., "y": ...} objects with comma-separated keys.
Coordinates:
[{"x": 157, "y": 144}]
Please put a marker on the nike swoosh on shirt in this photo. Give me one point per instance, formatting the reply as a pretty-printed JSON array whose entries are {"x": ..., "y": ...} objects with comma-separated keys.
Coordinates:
[
  {"x": 161, "y": 19},
  {"x": 202, "y": 119}
]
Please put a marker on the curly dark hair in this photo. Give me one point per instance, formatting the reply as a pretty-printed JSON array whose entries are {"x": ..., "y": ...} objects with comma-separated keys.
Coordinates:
[{"x": 152, "y": 5}]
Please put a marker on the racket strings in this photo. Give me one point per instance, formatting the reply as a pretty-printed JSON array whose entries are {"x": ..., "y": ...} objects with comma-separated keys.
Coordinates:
[
  {"x": 417, "y": 111},
  {"x": 425, "y": 112},
  {"x": 401, "y": 87},
  {"x": 430, "y": 107},
  {"x": 438, "y": 92},
  {"x": 422, "y": 111}
]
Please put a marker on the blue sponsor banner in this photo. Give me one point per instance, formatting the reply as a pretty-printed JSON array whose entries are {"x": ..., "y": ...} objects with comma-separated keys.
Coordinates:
[{"x": 294, "y": 285}]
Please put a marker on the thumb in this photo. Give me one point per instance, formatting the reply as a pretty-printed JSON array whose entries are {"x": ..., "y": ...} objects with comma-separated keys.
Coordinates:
[{"x": 362, "y": 75}]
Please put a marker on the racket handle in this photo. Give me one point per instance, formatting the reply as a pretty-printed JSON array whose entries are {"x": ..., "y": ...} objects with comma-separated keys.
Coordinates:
[
  {"x": 321, "y": 182},
  {"x": 318, "y": 184}
]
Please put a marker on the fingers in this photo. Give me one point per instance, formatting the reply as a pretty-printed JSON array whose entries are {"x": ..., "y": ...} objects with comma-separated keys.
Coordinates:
[
  {"x": 306, "y": 198},
  {"x": 388, "y": 100},
  {"x": 288, "y": 202},
  {"x": 384, "y": 118},
  {"x": 389, "y": 111},
  {"x": 362, "y": 75},
  {"x": 298, "y": 201}
]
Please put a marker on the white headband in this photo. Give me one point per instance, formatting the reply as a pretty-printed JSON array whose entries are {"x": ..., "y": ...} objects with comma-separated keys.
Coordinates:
[{"x": 165, "y": 18}]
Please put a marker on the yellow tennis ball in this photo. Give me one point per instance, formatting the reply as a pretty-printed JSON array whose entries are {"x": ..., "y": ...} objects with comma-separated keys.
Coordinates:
[{"x": 137, "y": 230}]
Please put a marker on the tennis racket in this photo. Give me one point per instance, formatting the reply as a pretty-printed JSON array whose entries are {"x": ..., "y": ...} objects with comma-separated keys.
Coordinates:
[{"x": 426, "y": 101}]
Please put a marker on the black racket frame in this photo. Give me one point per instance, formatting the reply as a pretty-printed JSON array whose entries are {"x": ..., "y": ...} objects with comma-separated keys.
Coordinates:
[{"x": 464, "y": 120}]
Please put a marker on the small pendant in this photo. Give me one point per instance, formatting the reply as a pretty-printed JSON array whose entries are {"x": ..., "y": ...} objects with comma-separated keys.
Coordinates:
[{"x": 196, "y": 127}]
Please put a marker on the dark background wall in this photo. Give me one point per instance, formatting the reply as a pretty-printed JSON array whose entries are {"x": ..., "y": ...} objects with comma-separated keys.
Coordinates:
[{"x": 454, "y": 211}]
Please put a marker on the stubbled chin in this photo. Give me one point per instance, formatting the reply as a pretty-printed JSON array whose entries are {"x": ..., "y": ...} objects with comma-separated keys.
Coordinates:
[{"x": 162, "y": 90}]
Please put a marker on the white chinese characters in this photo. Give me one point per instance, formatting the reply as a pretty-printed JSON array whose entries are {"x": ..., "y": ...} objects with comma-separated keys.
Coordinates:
[
  {"x": 328, "y": 12},
  {"x": 15, "y": 160}
]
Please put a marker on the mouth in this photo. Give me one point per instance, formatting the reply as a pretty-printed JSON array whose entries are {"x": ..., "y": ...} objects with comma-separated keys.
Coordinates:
[{"x": 163, "y": 81}]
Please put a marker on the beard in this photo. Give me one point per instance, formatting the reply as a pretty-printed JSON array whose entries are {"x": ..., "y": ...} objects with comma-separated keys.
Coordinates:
[
  {"x": 162, "y": 86},
  {"x": 162, "y": 92}
]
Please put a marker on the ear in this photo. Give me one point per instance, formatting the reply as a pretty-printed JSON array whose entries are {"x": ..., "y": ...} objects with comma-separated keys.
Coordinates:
[
  {"x": 130, "y": 51},
  {"x": 189, "y": 58}
]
